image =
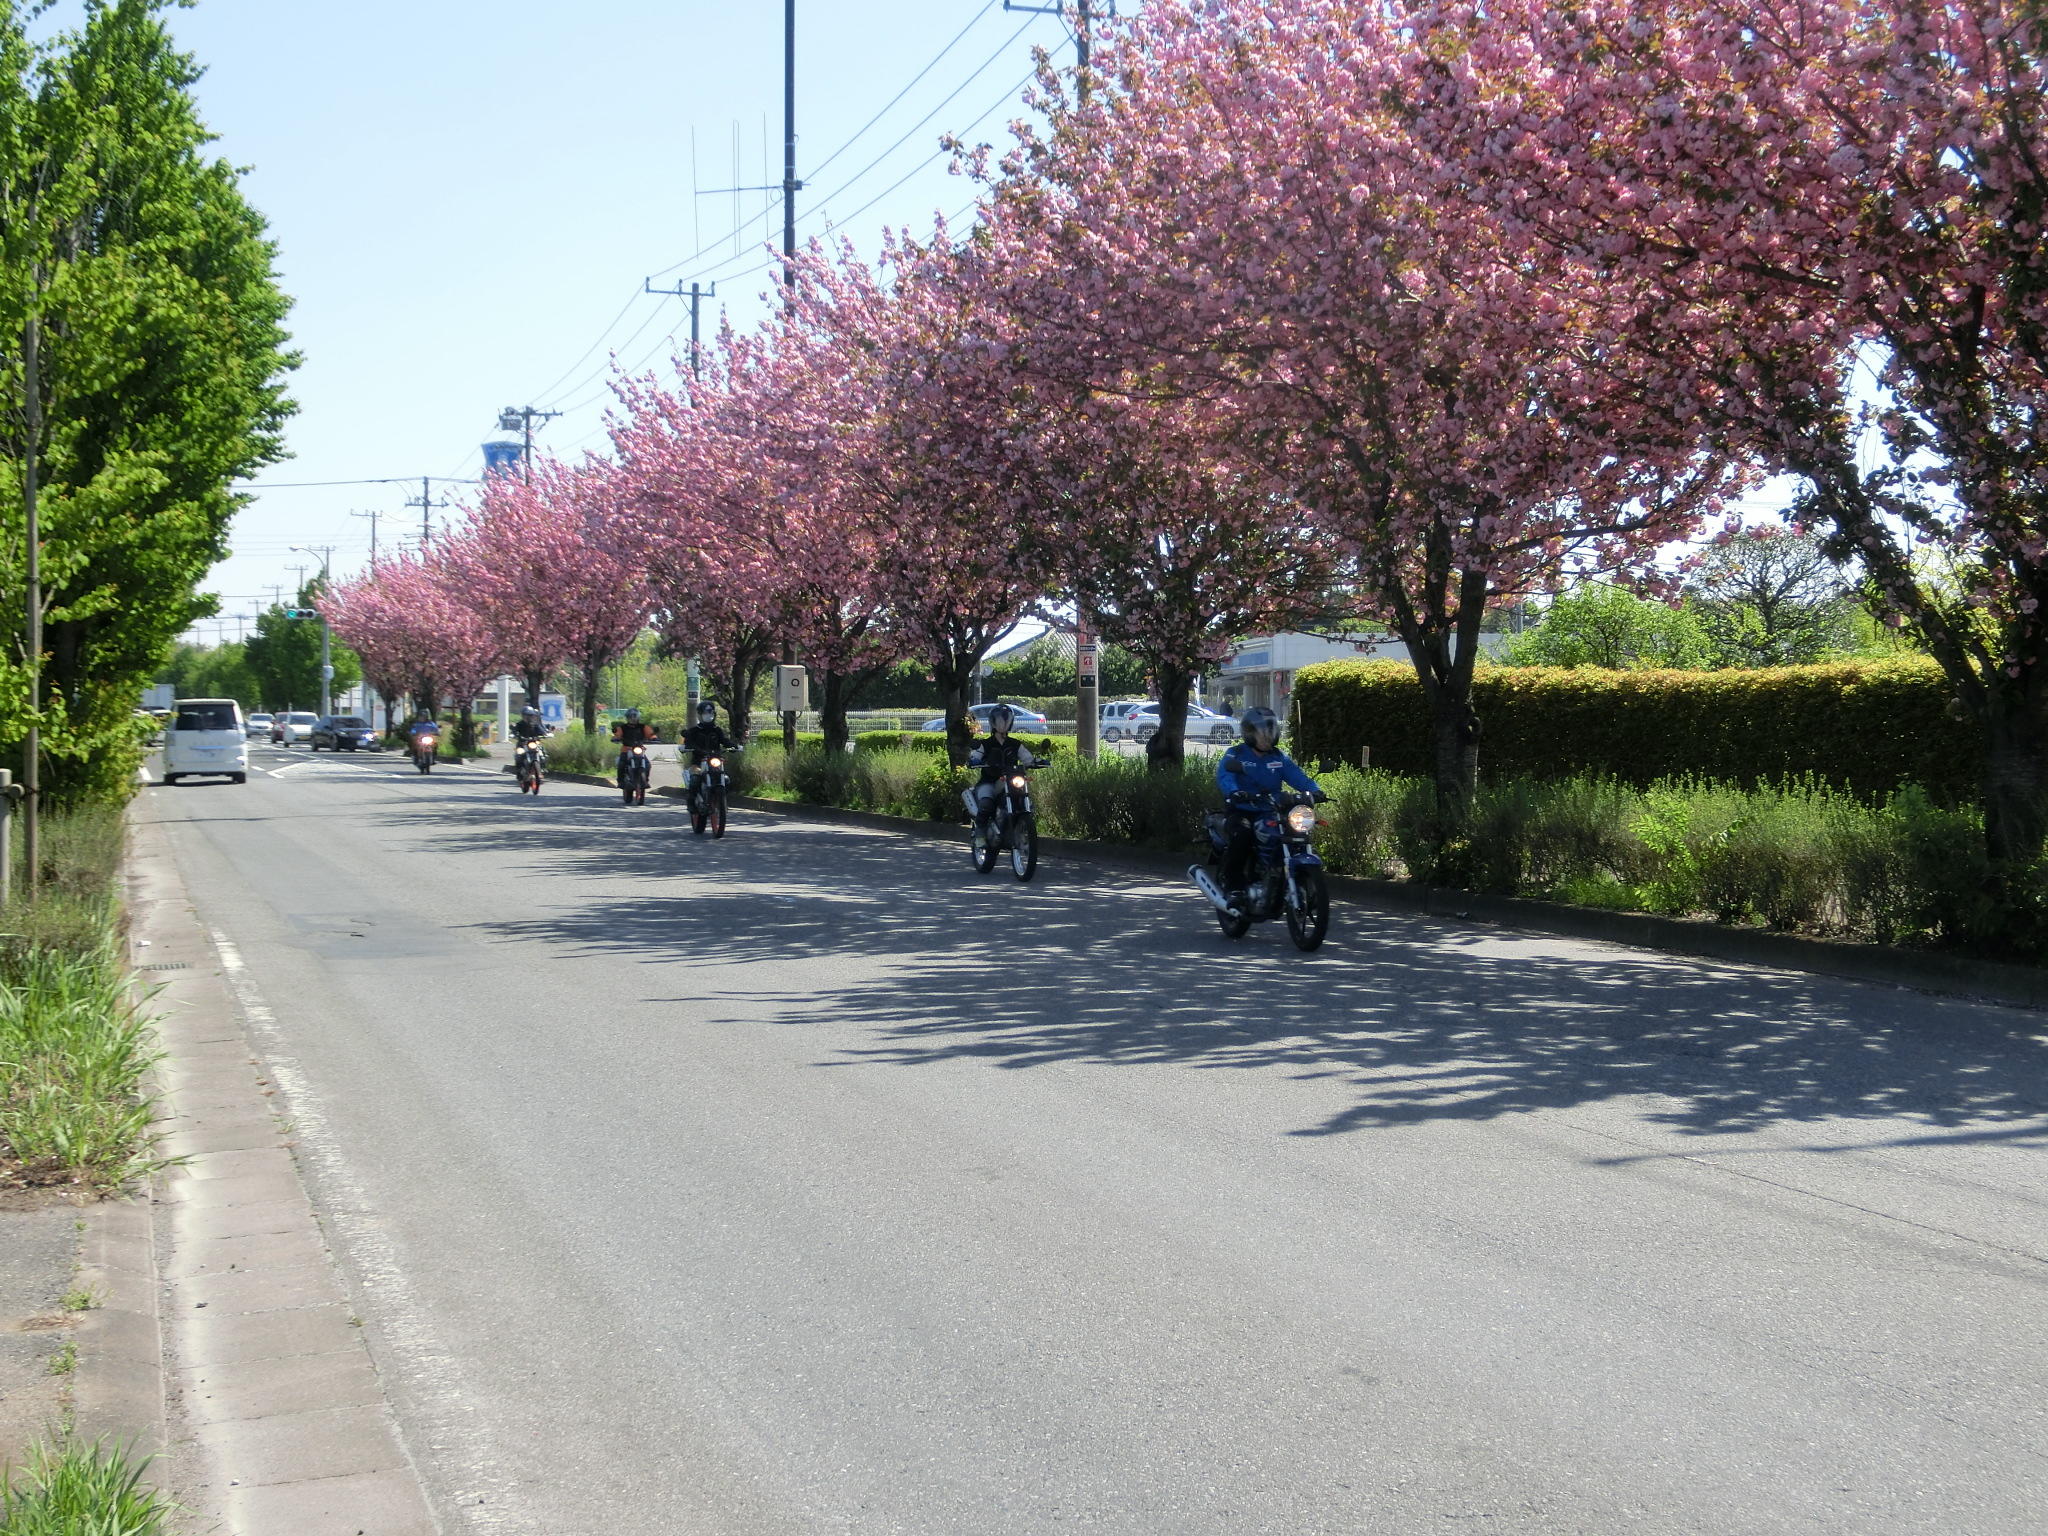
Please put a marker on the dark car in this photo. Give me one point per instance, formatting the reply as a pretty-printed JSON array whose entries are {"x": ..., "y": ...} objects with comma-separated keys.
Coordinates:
[{"x": 343, "y": 733}]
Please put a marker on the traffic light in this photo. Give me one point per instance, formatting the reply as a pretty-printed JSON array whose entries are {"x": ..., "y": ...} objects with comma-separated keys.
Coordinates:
[{"x": 302, "y": 613}]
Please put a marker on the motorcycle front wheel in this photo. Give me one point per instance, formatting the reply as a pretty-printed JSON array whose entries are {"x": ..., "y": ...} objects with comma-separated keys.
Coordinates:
[
  {"x": 426, "y": 765},
  {"x": 1308, "y": 919},
  {"x": 1024, "y": 847},
  {"x": 718, "y": 814}
]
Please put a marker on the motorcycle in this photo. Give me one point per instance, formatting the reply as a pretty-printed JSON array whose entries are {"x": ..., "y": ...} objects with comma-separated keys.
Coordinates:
[
  {"x": 1287, "y": 880},
  {"x": 1011, "y": 827},
  {"x": 708, "y": 791},
  {"x": 423, "y": 748},
  {"x": 634, "y": 773},
  {"x": 529, "y": 767}
]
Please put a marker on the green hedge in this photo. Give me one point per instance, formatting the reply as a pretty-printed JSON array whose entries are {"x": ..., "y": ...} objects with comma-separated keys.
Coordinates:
[{"x": 1871, "y": 727}]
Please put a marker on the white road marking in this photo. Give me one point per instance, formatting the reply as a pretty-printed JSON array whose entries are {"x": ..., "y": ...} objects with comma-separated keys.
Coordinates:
[{"x": 482, "y": 1486}]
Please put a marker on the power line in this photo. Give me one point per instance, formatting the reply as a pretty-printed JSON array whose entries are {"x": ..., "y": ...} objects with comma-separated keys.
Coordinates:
[
  {"x": 556, "y": 391},
  {"x": 914, "y": 79}
]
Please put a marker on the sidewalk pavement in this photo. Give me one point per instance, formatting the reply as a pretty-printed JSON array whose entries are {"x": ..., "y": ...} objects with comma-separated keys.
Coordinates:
[{"x": 228, "y": 1333}]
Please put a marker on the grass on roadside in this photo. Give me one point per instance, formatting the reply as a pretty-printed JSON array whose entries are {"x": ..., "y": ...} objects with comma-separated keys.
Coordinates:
[
  {"x": 80, "y": 1490},
  {"x": 74, "y": 1046}
]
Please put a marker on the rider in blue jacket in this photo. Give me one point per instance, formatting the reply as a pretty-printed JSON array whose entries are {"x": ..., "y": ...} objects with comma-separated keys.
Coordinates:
[{"x": 1250, "y": 775}]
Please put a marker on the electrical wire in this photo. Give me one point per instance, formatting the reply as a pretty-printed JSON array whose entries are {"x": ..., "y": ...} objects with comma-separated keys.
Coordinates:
[
  {"x": 974, "y": 21},
  {"x": 776, "y": 201}
]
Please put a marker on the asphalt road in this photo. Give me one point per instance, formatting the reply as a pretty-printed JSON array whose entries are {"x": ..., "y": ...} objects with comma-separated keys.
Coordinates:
[{"x": 806, "y": 1182}]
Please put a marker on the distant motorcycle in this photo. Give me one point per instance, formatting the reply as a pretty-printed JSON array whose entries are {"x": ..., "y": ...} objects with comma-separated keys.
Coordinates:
[
  {"x": 708, "y": 791},
  {"x": 529, "y": 767},
  {"x": 1011, "y": 827},
  {"x": 634, "y": 773},
  {"x": 1288, "y": 878},
  {"x": 423, "y": 748}
]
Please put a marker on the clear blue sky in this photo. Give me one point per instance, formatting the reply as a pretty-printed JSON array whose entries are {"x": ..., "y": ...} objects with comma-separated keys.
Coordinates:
[{"x": 467, "y": 196}]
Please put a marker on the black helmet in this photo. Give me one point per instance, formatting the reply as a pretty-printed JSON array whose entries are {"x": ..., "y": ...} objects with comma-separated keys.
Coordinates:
[
  {"x": 531, "y": 712},
  {"x": 1002, "y": 717},
  {"x": 633, "y": 715},
  {"x": 1259, "y": 721},
  {"x": 707, "y": 713}
]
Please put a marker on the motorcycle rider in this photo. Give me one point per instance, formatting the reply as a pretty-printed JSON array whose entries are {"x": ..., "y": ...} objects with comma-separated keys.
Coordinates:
[
  {"x": 1251, "y": 773},
  {"x": 528, "y": 729},
  {"x": 529, "y": 726},
  {"x": 630, "y": 733},
  {"x": 426, "y": 725},
  {"x": 704, "y": 739},
  {"x": 997, "y": 758}
]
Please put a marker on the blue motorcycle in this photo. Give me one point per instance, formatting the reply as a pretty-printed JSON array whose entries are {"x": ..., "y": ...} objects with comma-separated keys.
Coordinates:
[{"x": 1287, "y": 879}]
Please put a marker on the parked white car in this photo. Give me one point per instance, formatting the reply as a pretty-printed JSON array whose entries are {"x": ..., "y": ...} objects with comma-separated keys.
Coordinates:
[
  {"x": 1203, "y": 724},
  {"x": 290, "y": 729},
  {"x": 205, "y": 738},
  {"x": 1115, "y": 723}
]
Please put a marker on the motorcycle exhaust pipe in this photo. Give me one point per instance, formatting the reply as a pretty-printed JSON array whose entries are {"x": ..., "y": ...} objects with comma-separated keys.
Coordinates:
[{"x": 1209, "y": 888}]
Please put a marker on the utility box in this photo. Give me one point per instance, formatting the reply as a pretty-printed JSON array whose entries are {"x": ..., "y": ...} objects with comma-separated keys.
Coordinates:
[{"x": 792, "y": 691}]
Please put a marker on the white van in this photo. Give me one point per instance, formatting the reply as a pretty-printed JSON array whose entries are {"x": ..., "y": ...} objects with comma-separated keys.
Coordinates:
[{"x": 205, "y": 737}]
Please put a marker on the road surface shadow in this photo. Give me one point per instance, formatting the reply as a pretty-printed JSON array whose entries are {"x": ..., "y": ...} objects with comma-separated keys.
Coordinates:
[{"x": 923, "y": 961}]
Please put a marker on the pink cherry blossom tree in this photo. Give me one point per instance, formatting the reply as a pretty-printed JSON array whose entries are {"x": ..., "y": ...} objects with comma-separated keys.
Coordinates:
[
  {"x": 413, "y": 617},
  {"x": 923, "y": 449},
  {"x": 546, "y": 567},
  {"x": 1843, "y": 208},
  {"x": 1244, "y": 215}
]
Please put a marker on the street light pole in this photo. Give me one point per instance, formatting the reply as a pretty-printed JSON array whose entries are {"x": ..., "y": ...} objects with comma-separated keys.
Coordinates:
[{"x": 326, "y": 555}]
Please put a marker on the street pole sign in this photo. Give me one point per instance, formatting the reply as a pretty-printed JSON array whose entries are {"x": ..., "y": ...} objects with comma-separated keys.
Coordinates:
[{"x": 1087, "y": 695}]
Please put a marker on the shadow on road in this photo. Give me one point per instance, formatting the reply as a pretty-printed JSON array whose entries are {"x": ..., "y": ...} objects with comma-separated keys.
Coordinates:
[{"x": 1423, "y": 1020}]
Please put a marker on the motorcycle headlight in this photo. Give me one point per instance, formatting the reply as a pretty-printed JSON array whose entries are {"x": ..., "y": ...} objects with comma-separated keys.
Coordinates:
[
  {"x": 716, "y": 762},
  {"x": 1302, "y": 819},
  {"x": 430, "y": 741},
  {"x": 1017, "y": 781}
]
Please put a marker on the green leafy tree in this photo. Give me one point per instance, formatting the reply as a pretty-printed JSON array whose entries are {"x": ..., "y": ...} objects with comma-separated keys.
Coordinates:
[
  {"x": 1771, "y": 597},
  {"x": 1047, "y": 668},
  {"x": 148, "y": 284},
  {"x": 222, "y": 672},
  {"x": 283, "y": 658},
  {"x": 1598, "y": 625}
]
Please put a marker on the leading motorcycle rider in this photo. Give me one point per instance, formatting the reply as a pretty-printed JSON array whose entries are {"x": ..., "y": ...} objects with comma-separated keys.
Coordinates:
[
  {"x": 704, "y": 739},
  {"x": 630, "y": 733},
  {"x": 1250, "y": 775},
  {"x": 997, "y": 758},
  {"x": 529, "y": 727}
]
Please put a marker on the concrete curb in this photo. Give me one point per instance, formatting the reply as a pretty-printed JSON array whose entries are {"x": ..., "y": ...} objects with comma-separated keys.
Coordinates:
[
  {"x": 117, "y": 1391},
  {"x": 274, "y": 1416},
  {"x": 1946, "y": 975}
]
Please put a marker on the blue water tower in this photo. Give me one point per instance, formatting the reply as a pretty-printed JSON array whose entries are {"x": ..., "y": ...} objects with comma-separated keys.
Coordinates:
[{"x": 502, "y": 458}]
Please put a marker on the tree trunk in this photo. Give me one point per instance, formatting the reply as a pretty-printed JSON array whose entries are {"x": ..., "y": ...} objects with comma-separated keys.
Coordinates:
[
  {"x": 534, "y": 681},
  {"x": 832, "y": 710},
  {"x": 953, "y": 679},
  {"x": 1454, "y": 726},
  {"x": 1168, "y": 747},
  {"x": 2015, "y": 783},
  {"x": 465, "y": 727},
  {"x": 591, "y": 671}
]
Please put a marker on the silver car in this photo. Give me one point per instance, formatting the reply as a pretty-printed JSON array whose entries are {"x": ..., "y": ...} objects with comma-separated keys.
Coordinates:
[{"x": 1115, "y": 723}]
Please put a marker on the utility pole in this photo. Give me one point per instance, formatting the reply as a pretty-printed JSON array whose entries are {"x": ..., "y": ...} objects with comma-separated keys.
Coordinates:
[
  {"x": 373, "y": 514},
  {"x": 790, "y": 187},
  {"x": 697, "y": 294},
  {"x": 520, "y": 418},
  {"x": 427, "y": 506},
  {"x": 1087, "y": 689},
  {"x": 32, "y": 742}
]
